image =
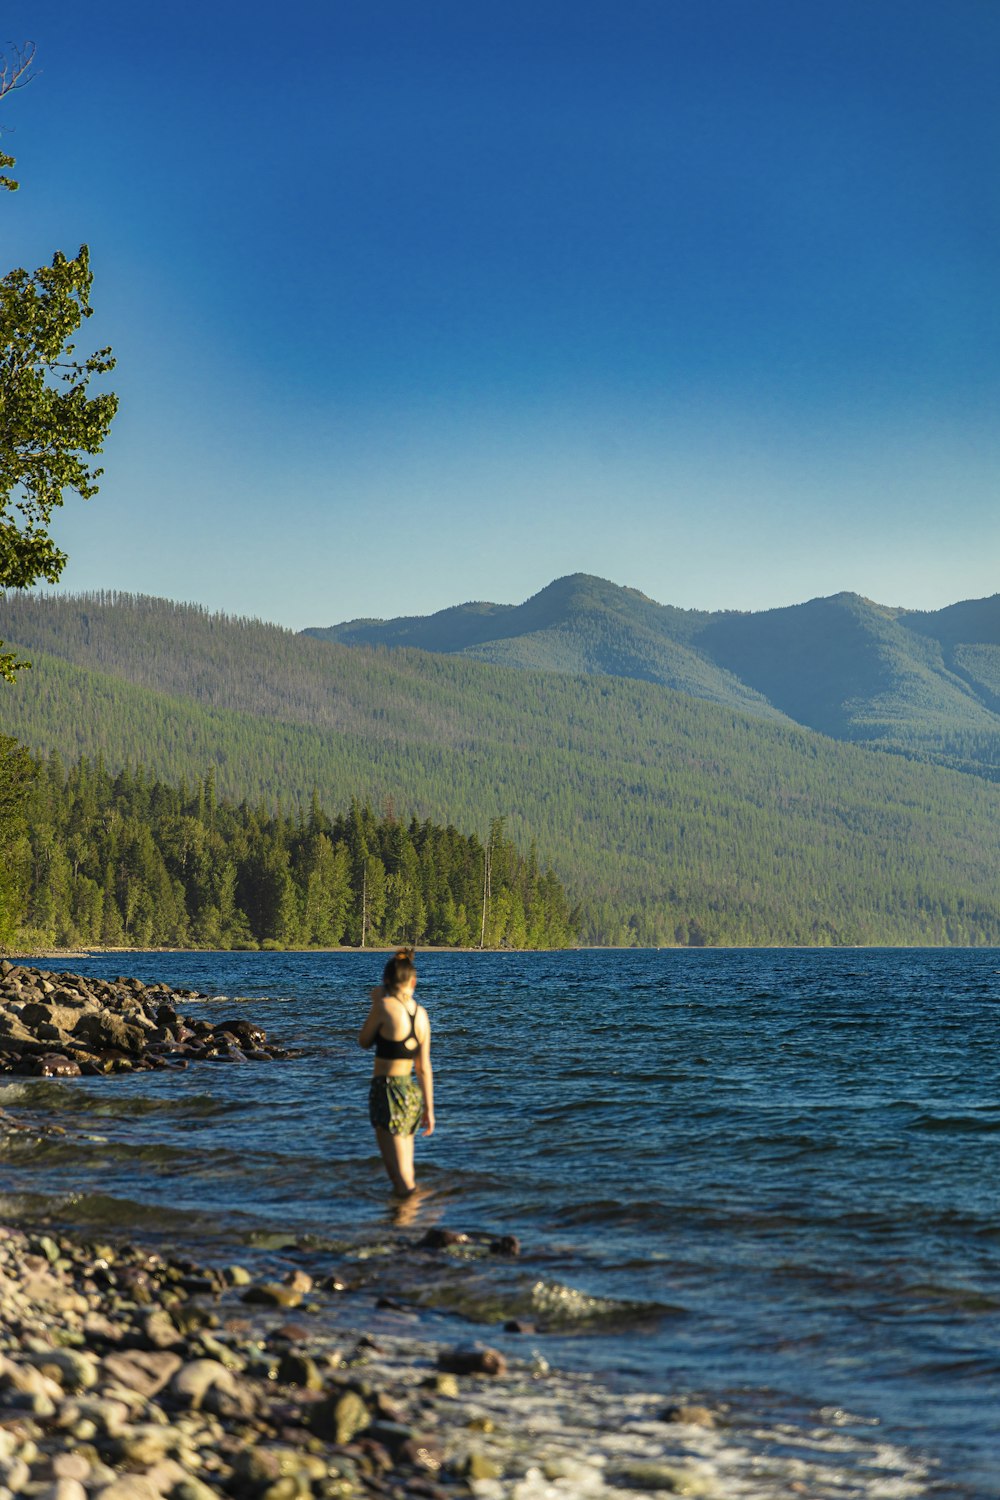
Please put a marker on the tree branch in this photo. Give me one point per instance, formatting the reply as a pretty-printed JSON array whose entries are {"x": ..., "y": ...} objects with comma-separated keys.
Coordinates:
[{"x": 15, "y": 68}]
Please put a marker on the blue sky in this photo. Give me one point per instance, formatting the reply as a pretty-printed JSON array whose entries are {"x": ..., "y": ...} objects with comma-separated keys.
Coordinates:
[{"x": 415, "y": 304}]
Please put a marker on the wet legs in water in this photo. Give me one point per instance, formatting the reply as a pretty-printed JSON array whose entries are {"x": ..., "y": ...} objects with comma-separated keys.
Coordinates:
[{"x": 397, "y": 1153}]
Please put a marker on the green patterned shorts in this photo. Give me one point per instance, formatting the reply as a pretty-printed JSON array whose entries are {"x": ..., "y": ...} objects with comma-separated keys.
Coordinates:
[{"x": 396, "y": 1104}]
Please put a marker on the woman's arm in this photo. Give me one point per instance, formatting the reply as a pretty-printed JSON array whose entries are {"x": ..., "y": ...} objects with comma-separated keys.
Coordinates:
[
  {"x": 368, "y": 1032},
  {"x": 422, "y": 1063}
]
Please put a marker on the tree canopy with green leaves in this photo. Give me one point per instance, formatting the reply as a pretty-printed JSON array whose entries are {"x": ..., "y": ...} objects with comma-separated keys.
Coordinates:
[{"x": 50, "y": 428}]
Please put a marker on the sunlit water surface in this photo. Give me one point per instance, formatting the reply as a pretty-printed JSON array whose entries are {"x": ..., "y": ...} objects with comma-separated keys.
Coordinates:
[{"x": 769, "y": 1177}]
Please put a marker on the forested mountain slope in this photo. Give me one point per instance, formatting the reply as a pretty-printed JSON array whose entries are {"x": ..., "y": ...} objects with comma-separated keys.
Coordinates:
[
  {"x": 578, "y": 625},
  {"x": 925, "y": 684},
  {"x": 668, "y": 818}
]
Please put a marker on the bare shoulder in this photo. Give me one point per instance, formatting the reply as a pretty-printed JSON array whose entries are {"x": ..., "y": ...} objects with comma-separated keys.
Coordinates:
[
  {"x": 377, "y": 997},
  {"x": 422, "y": 1023}
]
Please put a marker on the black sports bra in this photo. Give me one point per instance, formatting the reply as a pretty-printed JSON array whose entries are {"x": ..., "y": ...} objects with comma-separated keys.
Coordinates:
[{"x": 394, "y": 1049}]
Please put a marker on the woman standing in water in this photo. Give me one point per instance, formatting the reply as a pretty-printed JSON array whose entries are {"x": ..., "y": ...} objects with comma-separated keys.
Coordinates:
[{"x": 402, "y": 1090}]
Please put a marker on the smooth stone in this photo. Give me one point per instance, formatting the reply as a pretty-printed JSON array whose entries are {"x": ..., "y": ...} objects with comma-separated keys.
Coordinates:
[
  {"x": 15, "y": 1475},
  {"x": 256, "y": 1467},
  {"x": 299, "y": 1369},
  {"x": 290, "y": 1333},
  {"x": 166, "y": 1475},
  {"x": 340, "y": 1417},
  {"x": 272, "y": 1294},
  {"x": 420, "y": 1453},
  {"x": 479, "y": 1466},
  {"x": 46, "y": 1245},
  {"x": 651, "y": 1476},
  {"x": 392, "y": 1435},
  {"x": 193, "y": 1488},
  {"x": 62, "y": 1489},
  {"x": 507, "y": 1244},
  {"x": 104, "y": 1414},
  {"x": 71, "y": 1466},
  {"x": 130, "y": 1487},
  {"x": 439, "y": 1239},
  {"x": 144, "y": 1370},
  {"x": 28, "y": 1379},
  {"x": 291, "y": 1487},
  {"x": 147, "y": 1444},
  {"x": 77, "y": 1371},
  {"x": 192, "y": 1383},
  {"x": 472, "y": 1359},
  {"x": 299, "y": 1281},
  {"x": 692, "y": 1415},
  {"x": 212, "y": 1348},
  {"x": 159, "y": 1330}
]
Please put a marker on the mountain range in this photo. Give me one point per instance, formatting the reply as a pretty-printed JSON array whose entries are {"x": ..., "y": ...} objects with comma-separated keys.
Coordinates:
[
  {"x": 921, "y": 682},
  {"x": 669, "y": 817}
]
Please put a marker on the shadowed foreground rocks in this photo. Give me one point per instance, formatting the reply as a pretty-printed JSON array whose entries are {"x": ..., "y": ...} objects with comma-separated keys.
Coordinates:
[
  {"x": 127, "y": 1375},
  {"x": 65, "y": 1025}
]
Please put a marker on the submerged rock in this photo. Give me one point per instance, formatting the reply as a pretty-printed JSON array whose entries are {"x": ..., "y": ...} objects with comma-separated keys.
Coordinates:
[
  {"x": 273, "y": 1294},
  {"x": 692, "y": 1415},
  {"x": 472, "y": 1359}
]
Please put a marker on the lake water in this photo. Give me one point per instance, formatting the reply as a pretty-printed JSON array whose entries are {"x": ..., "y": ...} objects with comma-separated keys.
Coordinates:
[{"x": 764, "y": 1177}]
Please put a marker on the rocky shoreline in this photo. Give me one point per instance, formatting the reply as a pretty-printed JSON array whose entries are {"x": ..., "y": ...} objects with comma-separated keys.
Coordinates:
[
  {"x": 131, "y": 1374},
  {"x": 65, "y": 1025},
  {"x": 134, "y": 1372}
]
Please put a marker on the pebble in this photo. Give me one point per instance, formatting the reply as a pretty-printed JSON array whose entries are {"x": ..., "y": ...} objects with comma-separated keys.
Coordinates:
[
  {"x": 63, "y": 1489},
  {"x": 74, "y": 1370},
  {"x": 340, "y": 1417},
  {"x": 146, "y": 1371},
  {"x": 193, "y": 1382},
  {"x": 71, "y": 1466}
]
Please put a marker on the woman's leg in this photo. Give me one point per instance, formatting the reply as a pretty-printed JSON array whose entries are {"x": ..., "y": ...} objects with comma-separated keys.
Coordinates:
[{"x": 397, "y": 1153}]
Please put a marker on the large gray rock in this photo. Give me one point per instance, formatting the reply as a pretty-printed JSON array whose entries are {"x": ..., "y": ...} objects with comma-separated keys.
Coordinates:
[
  {"x": 13, "y": 1029},
  {"x": 40, "y": 1013},
  {"x": 104, "y": 1029}
]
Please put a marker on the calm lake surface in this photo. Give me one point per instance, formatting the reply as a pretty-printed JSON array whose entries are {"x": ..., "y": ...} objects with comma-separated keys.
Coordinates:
[{"x": 767, "y": 1177}]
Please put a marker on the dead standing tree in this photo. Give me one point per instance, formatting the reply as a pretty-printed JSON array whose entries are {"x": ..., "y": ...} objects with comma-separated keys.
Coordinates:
[{"x": 16, "y": 70}]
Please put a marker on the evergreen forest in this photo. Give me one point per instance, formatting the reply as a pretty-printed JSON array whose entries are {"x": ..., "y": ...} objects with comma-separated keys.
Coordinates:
[
  {"x": 667, "y": 819},
  {"x": 92, "y": 857},
  {"x": 925, "y": 684}
]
